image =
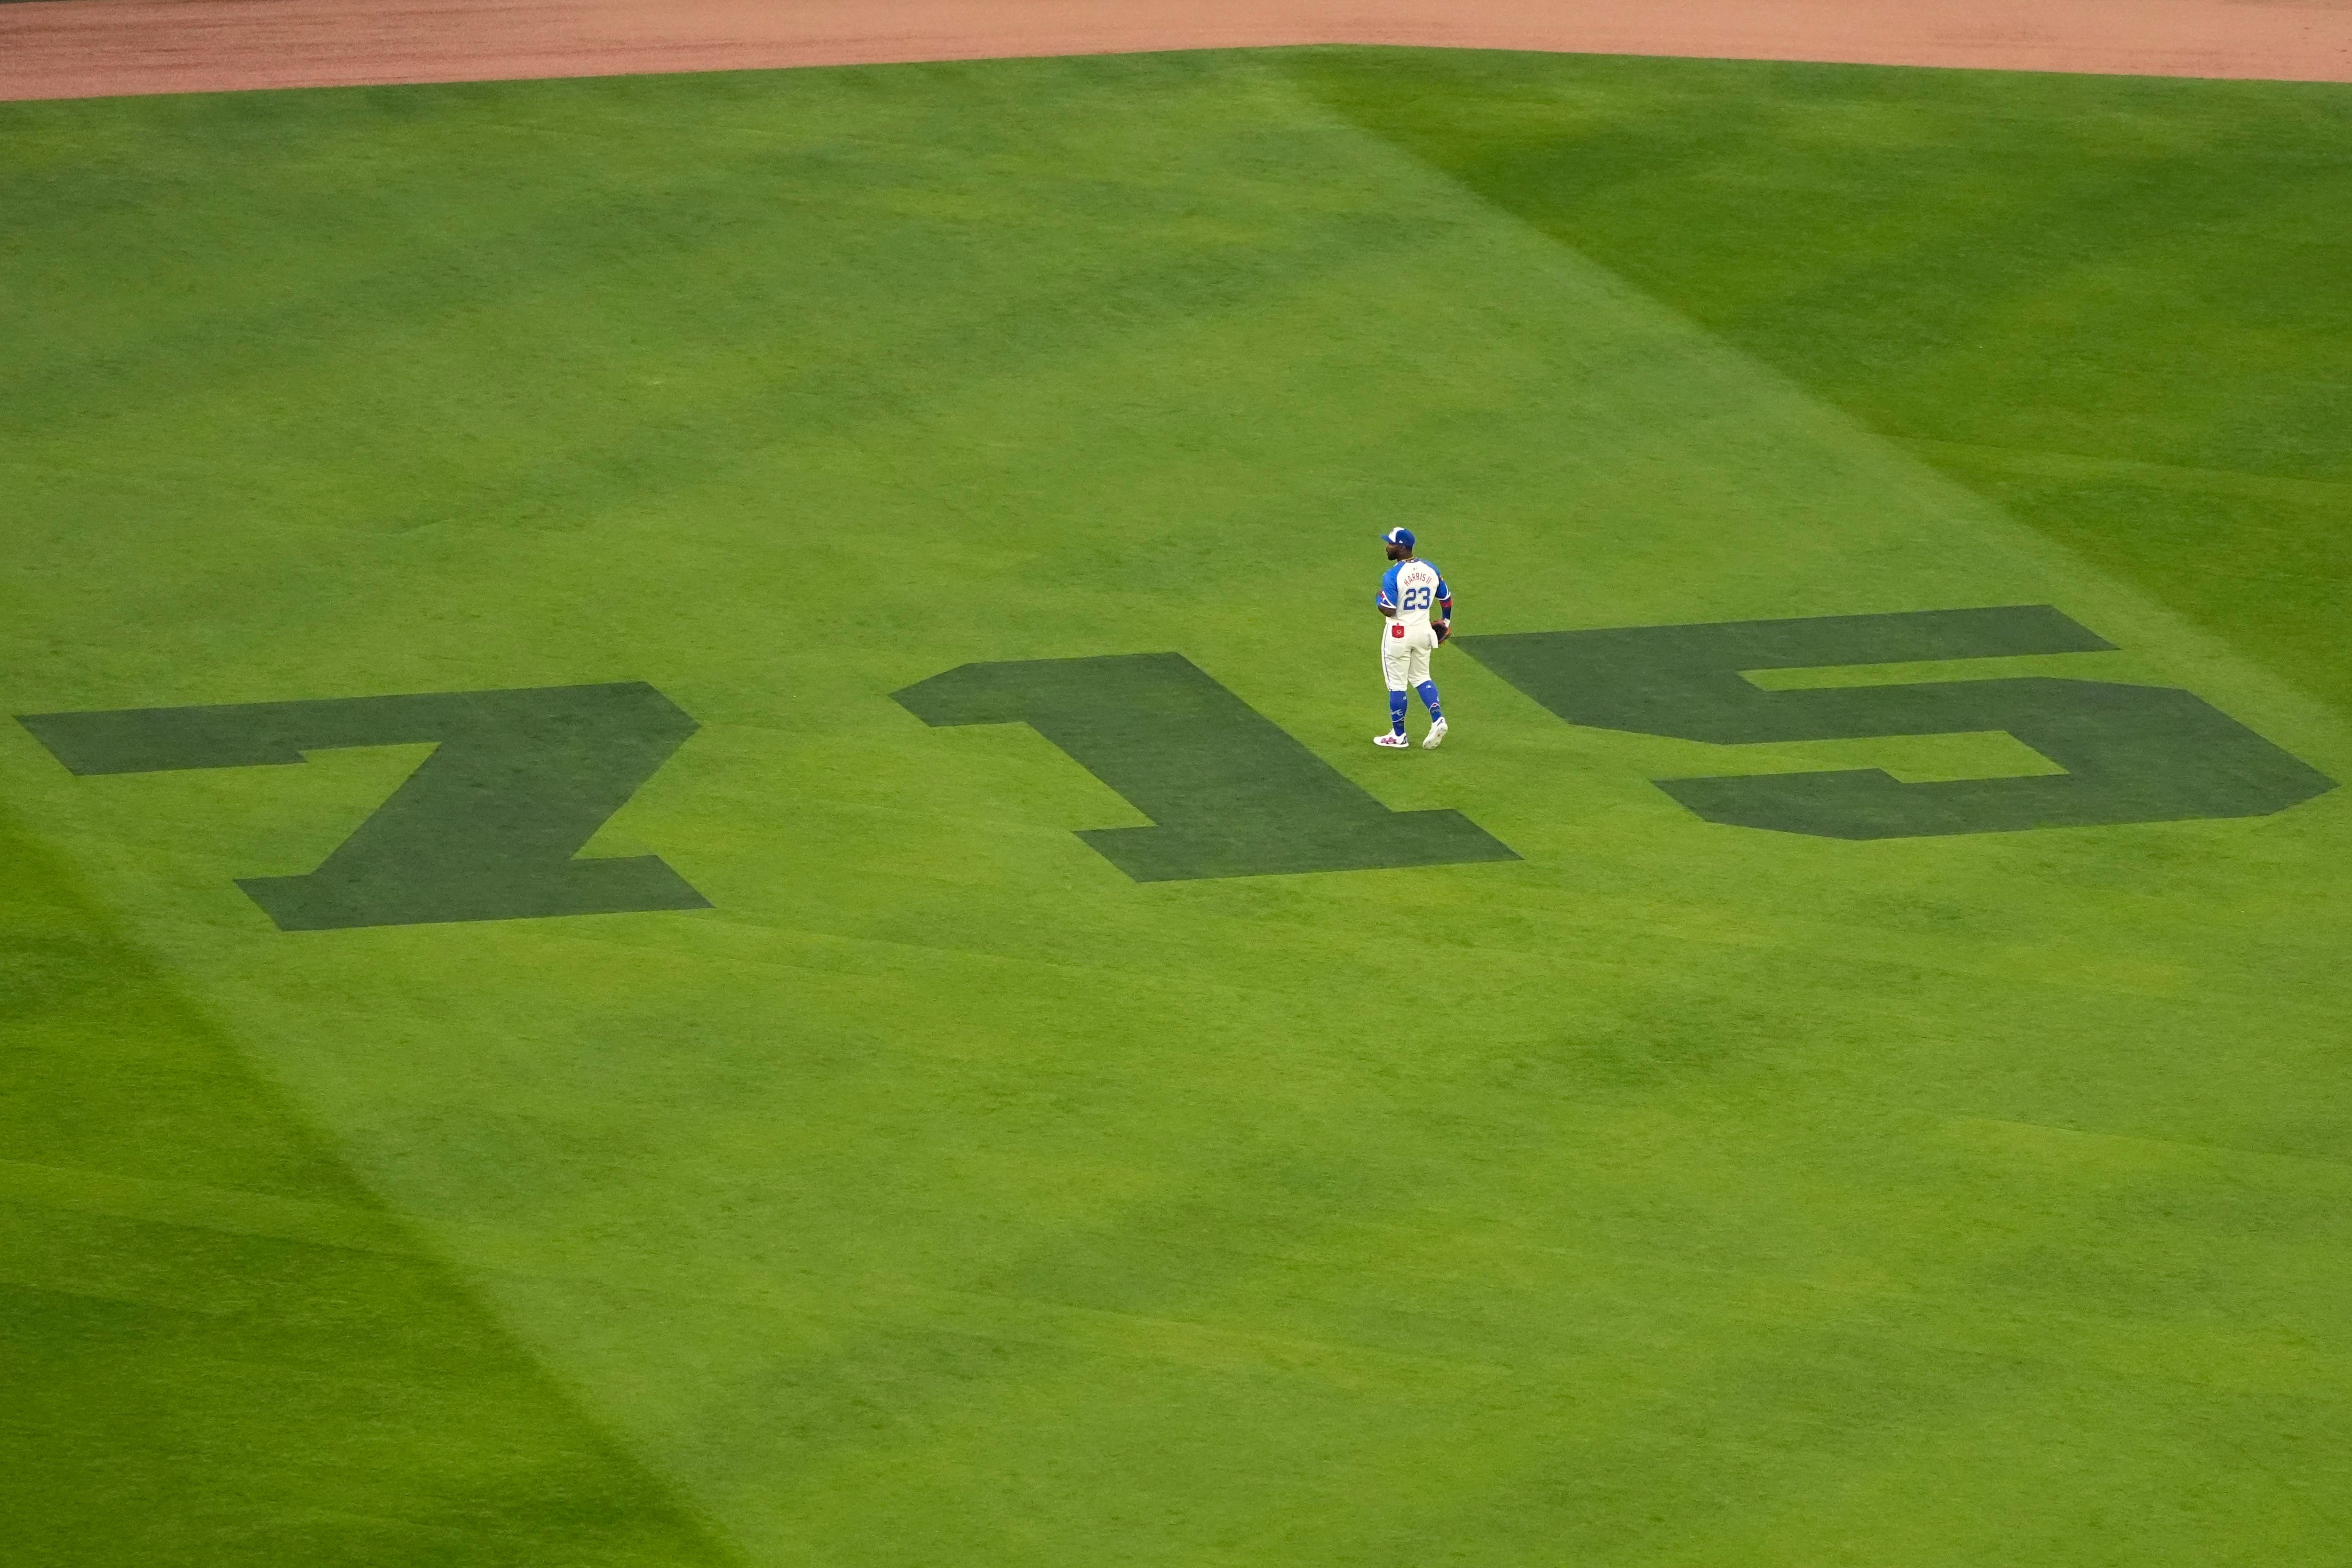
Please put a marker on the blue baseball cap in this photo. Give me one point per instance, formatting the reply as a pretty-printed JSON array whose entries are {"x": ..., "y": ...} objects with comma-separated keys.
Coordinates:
[{"x": 1397, "y": 536}]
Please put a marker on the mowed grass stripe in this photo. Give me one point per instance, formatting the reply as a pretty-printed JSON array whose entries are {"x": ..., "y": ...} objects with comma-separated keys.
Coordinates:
[
  {"x": 221, "y": 1347},
  {"x": 2155, "y": 475},
  {"x": 200, "y": 1207},
  {"x": 531, "y": 465},
  {"x": 2130, "y": 273}
]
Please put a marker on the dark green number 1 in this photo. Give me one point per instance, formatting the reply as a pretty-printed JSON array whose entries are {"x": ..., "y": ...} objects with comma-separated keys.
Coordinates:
[{"x": 1232, "y": 794}]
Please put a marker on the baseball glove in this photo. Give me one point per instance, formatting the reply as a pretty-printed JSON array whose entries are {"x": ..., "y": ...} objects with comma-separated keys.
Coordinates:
[{"x": 1445, "y": 630}]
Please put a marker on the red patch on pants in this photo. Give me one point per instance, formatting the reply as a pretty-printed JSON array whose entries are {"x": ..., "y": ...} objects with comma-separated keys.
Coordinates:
[{"x": 1395, "y": 631}]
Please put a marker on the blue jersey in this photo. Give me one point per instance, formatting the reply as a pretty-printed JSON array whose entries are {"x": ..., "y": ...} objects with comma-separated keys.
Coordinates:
[{"x": 1410, "y": 588}]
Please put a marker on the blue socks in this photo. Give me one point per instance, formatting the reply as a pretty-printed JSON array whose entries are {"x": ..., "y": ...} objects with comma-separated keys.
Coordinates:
[
  {"x": 1428, "y": 700},
  {"x": 1396, "y": 711}
]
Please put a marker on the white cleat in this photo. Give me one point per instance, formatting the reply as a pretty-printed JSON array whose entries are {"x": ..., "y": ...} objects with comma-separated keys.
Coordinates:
[
  {"x": 1436, "y": 735},
  {"x": 1390, "y": 740}
]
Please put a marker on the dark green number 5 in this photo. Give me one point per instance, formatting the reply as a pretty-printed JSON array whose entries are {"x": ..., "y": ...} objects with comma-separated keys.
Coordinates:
[{"x": 2132, "y": 753}]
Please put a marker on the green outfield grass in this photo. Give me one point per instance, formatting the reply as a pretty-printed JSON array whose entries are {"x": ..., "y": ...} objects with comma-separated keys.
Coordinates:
[{"x": 1623, "y": 1188}]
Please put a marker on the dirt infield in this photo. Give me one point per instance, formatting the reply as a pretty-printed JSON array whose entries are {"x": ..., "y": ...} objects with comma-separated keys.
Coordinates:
[{"x": 82, "y": 49}]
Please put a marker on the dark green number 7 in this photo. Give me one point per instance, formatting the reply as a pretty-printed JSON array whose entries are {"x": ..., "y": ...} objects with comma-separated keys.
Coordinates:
[
  {"x": 486, "y": 829},
  {"x": 2132, "y": 753}
]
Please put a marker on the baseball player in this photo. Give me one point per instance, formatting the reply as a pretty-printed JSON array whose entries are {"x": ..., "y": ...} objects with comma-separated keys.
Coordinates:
[{"x": 1408, "y": 635}]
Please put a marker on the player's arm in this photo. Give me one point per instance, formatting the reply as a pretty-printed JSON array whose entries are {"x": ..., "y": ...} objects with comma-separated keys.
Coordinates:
[
  {"x": 1444, "y": 610},
  {"x": 1387, "y": 600}
]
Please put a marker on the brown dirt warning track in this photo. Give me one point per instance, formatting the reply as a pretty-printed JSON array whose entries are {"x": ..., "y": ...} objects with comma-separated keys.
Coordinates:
[{"x": 83, "y": 48}]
